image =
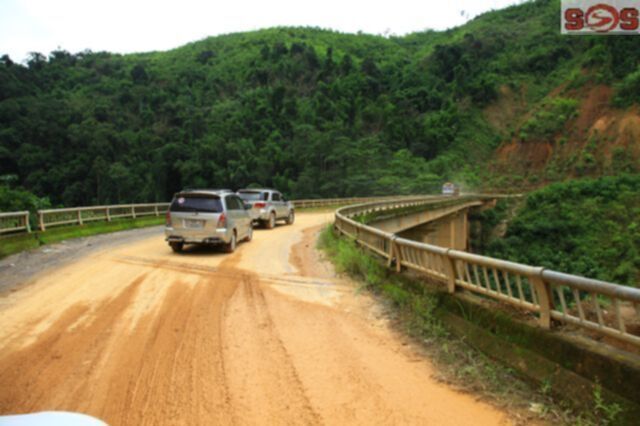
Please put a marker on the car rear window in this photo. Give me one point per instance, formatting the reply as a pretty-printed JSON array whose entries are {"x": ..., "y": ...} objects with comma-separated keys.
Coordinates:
[
  {"x": 253, "y": 195},
  {"x": 196, "y": 203}
]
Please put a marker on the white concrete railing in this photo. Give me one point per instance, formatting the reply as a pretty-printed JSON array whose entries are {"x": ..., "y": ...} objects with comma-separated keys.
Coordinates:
[
  {"x": 14, "y": 222},
  {"x": 81, "y": 215},
  {"x": 606, "y": 309},
  {"x": 325, "y": 202}
]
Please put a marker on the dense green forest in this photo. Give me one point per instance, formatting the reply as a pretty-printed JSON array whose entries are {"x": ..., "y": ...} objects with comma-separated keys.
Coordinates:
[
  {"x": 310, "y": 111},
  {"x": 587, "y": 227}
]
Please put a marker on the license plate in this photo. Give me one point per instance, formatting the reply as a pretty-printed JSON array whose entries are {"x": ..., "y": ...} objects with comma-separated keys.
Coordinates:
[{"x": 191, "y": 223}]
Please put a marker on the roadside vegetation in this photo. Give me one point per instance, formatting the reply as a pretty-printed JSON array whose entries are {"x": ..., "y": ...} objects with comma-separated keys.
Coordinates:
[
  {"x": 18, "y": 199},
  {"x": 315, "y": 113},
  {"x": 413, "y": 307},
  {"x": 587, "y": 227}
]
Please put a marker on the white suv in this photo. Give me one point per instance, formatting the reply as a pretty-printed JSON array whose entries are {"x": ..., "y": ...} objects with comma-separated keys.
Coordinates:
[{"x": 268, "y": 206}]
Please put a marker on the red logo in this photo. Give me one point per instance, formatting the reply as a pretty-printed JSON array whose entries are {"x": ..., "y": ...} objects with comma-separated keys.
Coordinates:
[{"x": 601, "y": 18}]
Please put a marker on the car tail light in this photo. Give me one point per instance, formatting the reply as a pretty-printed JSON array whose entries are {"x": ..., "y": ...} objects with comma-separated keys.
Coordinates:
[
  {"x": 260, "y": 205},
  {"x": 222, "y": 221},
  {"x": 168, "y": 218}
]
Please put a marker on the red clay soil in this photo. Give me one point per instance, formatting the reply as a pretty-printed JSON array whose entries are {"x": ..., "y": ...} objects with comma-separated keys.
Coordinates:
[{"x": 597, "y": 122}]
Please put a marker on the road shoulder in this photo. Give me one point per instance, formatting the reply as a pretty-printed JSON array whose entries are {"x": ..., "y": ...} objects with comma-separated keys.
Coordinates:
[{"x": 22, "y": 268}]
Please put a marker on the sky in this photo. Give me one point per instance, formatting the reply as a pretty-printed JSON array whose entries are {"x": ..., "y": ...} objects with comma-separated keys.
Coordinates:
[{"x": 125, "y": 26}]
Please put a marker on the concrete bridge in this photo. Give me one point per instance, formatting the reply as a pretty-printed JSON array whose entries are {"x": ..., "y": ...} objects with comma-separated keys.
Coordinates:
[
  {"x": 441, "y": 225},
  {"x": 484, "y": 300}
]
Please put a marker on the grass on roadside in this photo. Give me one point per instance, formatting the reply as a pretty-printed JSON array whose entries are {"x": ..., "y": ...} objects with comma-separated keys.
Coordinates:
[
  {"x": 322, "y": 209},
  {"x": 413, "y": 307},
  {"x": 12, "y": 244}
]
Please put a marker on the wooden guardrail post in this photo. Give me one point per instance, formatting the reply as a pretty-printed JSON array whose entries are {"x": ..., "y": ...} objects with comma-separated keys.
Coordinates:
[
  {"x": 79, "y": 214},
  {"x": 133, "y": 211},
  {"x": 545, "y": 297},
  {"x": 108, "y": 213},
  {"x": 155, "y": 209}
]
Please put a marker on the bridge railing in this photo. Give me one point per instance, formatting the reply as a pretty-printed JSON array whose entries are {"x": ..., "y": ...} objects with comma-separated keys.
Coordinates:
[
  {"x": 605, "y": 309},
  {"x": 326, "y": 202},
  {"x": 14, "y": 222},
  {"x": 81, "y": 215}
]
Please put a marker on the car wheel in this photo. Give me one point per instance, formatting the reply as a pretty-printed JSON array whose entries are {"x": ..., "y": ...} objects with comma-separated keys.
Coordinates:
[
  {"x": 271, "y": 223},
  {"x": 249, "y": 236},
  {"x": 291, "y": 218},
  {"x": 230, "y": 247},
  {"x": 176, "y": 247}
]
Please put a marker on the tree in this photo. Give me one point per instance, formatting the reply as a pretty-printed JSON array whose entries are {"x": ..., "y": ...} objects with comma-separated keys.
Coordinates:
[{"x": 139, "y": 74}]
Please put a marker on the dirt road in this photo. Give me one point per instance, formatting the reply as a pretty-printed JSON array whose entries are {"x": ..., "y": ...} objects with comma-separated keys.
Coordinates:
[{"x": 138, "y": 335}]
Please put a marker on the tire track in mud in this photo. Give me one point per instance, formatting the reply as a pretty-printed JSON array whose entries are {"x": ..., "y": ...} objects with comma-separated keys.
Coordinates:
[
  {"x": 61, "y": 358},
  {"x": 170, "y": 369},
  {"x": 265, "y": 383}
]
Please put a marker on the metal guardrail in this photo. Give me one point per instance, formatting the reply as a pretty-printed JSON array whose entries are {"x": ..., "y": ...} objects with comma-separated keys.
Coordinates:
[
  {"x": 606, "y": 309},
  {"x": 14, "y": 222}
]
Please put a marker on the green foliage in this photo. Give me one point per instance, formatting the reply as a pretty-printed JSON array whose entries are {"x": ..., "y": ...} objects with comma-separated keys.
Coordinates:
[
  {"x": 315, "y": 113},
  {"x": 349, "y": 259},
  {"x": 622, "y": 162},
  {"x": 12, "y": 200},
  {"x": 628, "y": 90},
  {"x": 407, "y": 174},
  {"x": 549, "y": 119},
  {"x": 485, "y": 222},
  {"x": 607, "y": 412},
  {"x": 587, "y": 227}
]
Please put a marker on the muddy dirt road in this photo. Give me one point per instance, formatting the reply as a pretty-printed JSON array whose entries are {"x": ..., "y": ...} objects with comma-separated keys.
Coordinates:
[{"x": 137, "y": 335}]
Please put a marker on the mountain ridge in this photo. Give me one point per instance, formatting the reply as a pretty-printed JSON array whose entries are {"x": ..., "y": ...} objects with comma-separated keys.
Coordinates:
[{"x": 319, "y": 113}]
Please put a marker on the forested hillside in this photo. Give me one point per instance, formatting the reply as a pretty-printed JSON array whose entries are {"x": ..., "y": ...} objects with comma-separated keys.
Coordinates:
[
  {"x": 587, "y": 227},
  {"x": 502, "y": 101}
]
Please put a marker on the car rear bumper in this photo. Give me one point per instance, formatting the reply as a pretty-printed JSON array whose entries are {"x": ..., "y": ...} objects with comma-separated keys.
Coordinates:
[
  {"x": 262, "y": 214},
  {"x": 198, "y": 236}
]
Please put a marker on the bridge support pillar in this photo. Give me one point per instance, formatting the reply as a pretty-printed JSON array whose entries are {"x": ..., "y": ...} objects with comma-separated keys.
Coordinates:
[
  {"x": 451, "y": 231},
  {"x": 458, "y": 230}
]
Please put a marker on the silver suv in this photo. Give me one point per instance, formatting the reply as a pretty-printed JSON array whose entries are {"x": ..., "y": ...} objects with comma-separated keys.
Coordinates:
[
  {"x": 268, "y": 206},
  {"x": 206, "y": 216}
]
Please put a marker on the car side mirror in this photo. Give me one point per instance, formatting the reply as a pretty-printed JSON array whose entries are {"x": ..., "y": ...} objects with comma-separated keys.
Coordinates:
[{"x": 247, "y": 206}]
